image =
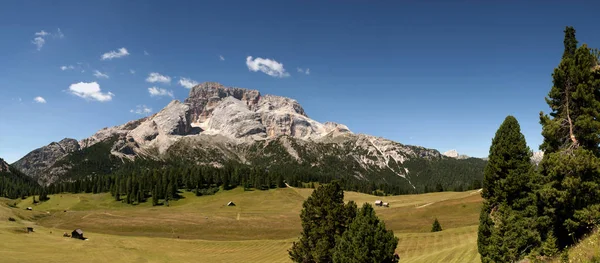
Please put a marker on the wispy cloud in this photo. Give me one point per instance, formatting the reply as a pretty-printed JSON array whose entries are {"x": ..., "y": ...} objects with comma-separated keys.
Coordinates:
[
  {"x": 267, "y": 66},
  {"x": 132, "y": 71},
  {"x": 90, "y": 91},
  {"x": 42, "y": 33},
  {"x": 38, "y": 42},
  {"x": 58, "y": 34},
  {"x": 187, "y": 83},
  {"x": 40, "y": 38},
  {"x": 100, "y": 75},
  {"x": 121, "y": 52},
  {"x": 39, "y": 99},
  {"x": 157, "y": 77},
  {"x": 69, "y": 67},
  {"x": 221, "y": 58},
  {"x": 305, "y": 71},
  {"x": 146, "y": 53},
  {"x": 159, "y": 92},
  {"x": 141, "y": 110}
]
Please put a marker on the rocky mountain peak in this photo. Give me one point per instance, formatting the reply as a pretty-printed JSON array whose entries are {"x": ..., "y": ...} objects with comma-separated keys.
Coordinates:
[
  {"x": 454, "y": 154},
  {"x": 451, "y": 153},
  {"x": 4, "y": 166},
  {"x": 35, "y": 162}
]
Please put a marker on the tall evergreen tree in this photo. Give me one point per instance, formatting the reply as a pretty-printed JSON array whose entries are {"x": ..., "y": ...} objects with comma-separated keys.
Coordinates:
[
  {"x": 324, "y": 218},
  {"x": 366, "y": 240},
  {"x": 508, "y": 198},
  {"x": 569, "y": 173}
]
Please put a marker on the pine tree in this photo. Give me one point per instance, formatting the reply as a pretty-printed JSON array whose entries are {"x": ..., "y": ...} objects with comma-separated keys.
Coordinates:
[
  {"x": 508, "y": 198},
  {"x": 366, "y": 240},
  {"x": 568, "y": 171},
  {"x": 436, "y": 227},
  {"x": 324, "y": 218},
  {"x": 155, "y": 196}
]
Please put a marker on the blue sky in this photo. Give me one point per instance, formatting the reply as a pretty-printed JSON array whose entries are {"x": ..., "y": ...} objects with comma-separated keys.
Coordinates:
[{"x": 441, "y": 74}]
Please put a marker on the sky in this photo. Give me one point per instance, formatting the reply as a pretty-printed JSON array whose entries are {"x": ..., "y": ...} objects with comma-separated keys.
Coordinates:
[{"x": 441, "y": 74}]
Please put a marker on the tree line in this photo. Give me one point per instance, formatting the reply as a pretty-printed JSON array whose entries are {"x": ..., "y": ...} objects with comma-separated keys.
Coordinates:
[{"x": 538, "y": 212}]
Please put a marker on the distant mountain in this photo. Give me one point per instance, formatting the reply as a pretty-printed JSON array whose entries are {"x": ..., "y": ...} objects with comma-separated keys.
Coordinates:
[
  {"x": 217, "y": 124},
  {"x": 454, "y": 154},
  {"x": 537, "y": 157}
]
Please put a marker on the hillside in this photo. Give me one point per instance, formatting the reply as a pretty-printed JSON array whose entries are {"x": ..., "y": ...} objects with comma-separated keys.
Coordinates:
[
  {"x": 218, "y": 125},
  {"x": 260, "y": 228},
  {"x": 13, "y": 183}
]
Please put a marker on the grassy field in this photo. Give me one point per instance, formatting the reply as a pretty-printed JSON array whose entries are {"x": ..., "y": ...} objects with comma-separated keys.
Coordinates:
[{"x": 260, "y": 228}]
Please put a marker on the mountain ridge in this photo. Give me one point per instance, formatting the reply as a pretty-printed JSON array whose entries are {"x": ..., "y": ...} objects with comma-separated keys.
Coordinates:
[{"x": 218, "y": 124}]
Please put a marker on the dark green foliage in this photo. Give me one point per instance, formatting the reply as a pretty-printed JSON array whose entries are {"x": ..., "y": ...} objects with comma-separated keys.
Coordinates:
[
  {"x": 549, "y": 247},
  {"x": 14, "y": 184},
  {"x": 436, "y": 227},
  {"x": 569, "y": 196},
  {"x": 366, "y": 240},
  {"x": 11, "y": 219},
  {"x": 324, "y": 218},
  {"x": 506, "y": 229}
]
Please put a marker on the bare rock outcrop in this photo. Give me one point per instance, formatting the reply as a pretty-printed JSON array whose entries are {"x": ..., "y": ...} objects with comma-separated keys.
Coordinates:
[
  {"x": 35, "y": 163},
  {"x": 4, "y": 166}
]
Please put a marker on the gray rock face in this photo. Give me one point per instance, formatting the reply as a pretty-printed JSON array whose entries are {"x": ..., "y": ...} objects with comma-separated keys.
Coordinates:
[
  {"x": 107, "y": 133},
  {"x": 205, "y": 97},
  {"x": 36, "y": 162},
  {"x": 454, "y": 154},
  {"x": 4, "y": 166}
]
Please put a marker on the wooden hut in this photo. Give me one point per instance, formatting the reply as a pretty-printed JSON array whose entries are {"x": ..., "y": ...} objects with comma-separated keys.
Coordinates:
[
  {"x": 77, "y": 233},
  {"x": 230, "y": 204}
]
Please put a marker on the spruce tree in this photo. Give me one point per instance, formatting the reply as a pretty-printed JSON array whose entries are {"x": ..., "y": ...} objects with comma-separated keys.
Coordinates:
[
  {"x": 155, "y": 196},
  {"x": 324, "y": 218},
  {"x": 366, "y": 240},
  {"x": 569, "y": 174},
  {"x": 436, "y": 227},
  {"x": 508, "y": 198}
]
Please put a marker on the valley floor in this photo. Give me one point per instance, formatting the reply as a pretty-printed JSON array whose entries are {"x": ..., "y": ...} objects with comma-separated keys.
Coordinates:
[{"x": 260, "y": 228}]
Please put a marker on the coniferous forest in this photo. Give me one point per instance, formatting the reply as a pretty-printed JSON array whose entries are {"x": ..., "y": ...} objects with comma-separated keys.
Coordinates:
[{"x": 536, "y": 212}]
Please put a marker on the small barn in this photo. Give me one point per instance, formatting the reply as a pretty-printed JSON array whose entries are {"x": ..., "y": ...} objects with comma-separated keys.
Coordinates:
[
  {"x": 386, "y": 204},
  {"x": 77, "y": 233},
  {"x": 29, "y": 208},
  {"x": 378, "y": 203},
  {"x": 230, "y": 204},
  {"x": 29, "y": 229}
]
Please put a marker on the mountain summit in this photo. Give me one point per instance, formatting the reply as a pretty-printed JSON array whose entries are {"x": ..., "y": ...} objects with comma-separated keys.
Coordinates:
[{"x": 217, "y": 125}]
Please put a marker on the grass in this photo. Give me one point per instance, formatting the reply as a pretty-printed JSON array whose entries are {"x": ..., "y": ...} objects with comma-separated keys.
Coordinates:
[{"x": 260, "y": 228}]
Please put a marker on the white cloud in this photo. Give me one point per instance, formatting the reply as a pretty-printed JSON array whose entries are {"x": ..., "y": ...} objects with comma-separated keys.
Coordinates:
[
  {"x": 58, "y": 34},
  {"x": 187, "y": 83},
  {"x": 63, "y": 68},
  {"x": 267, "y": 66},
  {"x": 142, "y": 110},
  {"x": 159, "y": 92},
  {"x": 307, "y": 71},
  {"x": 39, "y": 99},
  {"x": 146, "y": 53},
  {"x": 132, "y": 71},
  {"x": 42, "y": 33},
  {"x": 121, "y": 52},
  {"x": 38, "y": 42},
  {"x": 157, "y": 77},
  {"x": 100, "y": 75},
  {"x": 221, "y": 58},
  {"x": 90, "y": 91}
]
